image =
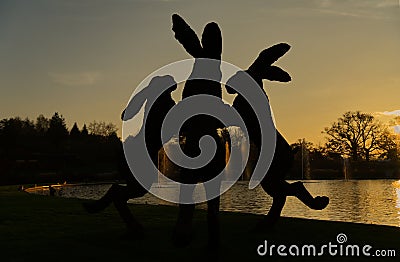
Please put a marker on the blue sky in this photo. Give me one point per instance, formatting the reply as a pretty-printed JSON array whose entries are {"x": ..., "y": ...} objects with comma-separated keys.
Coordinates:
[{"x": 85, "y": 58}]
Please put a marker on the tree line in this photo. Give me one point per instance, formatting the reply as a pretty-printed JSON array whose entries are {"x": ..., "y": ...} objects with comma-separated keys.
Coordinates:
[
  {"x": 54, "y": 127},
  {"x": 47, "y": 150},
  {"x": 48, "y": 146}
]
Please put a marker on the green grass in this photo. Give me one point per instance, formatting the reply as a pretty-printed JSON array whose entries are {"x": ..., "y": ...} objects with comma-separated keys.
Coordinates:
[{"x": 41, "y": 228}]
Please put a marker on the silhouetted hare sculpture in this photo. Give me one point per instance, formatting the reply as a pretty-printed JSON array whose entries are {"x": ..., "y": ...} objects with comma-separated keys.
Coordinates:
[
  {"x": 200, "y": 125},
  {"x": 156, "y": 108},
  {"x": 274, "y": 181}
]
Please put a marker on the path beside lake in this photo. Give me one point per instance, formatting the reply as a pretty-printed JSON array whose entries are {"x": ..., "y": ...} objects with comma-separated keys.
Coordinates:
[{"x": 43, "y": 228}]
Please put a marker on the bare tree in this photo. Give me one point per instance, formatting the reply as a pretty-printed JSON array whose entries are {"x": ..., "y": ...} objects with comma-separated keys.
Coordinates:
[
  {"x": 357, "y": 135},
  {"x": 102, "y": 129}
]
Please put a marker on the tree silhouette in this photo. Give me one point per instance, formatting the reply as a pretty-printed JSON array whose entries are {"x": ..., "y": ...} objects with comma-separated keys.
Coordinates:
[
  {"x": 84, "y": 131},
  {"x": 42, "y": 124},
  {"x": 13, "y": 129},
  {"x": 358, "y": 135},
  {"x": 387, "y": 143},
  {"x": 57, "y": 128},
  {"x": 74, "y": 133}
]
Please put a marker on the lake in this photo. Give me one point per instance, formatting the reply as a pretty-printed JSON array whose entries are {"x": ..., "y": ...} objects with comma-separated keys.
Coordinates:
[{"x": 360, "y": 201}]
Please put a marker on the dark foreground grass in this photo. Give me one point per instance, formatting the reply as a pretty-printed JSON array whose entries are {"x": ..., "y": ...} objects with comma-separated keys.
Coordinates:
[{"x": 41, "y": 228}]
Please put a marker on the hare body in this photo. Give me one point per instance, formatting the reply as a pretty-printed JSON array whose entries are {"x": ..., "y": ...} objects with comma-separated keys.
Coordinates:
[
  {"x": 156, "y": 108},
  {"x": 274, "y": 182},
  {"x": 200, "y": 125}
]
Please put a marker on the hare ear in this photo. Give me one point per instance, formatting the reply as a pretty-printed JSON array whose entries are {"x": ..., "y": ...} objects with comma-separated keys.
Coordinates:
[
  {"x": 186, "y": 36},
  {"x": 211, "y": 41},
  {"x": 274, "y": 73},
  {"x": 267, "y": 57}
]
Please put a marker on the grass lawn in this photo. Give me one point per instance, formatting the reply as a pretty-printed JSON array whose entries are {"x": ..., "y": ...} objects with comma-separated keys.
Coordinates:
[{"x": 42, "y": 228}]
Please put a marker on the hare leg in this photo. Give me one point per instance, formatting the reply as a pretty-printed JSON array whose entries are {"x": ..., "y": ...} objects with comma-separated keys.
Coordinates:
[
  {"x": 275, "y": 189},
  {"x": 278, "y": 189},
  {"x": 114, "y": 192},
  {"x": 213, "y": 219},
  {"x": 213, "y": 227},
  {"x": 120, "y": 199},
  {"x": 182, "y": 234},
  {"x": 273, "y": 215},
  {"x": 298, "y": 190},
  {"x": 99, "y": 205},
  {"x": 278, "y": 202}
]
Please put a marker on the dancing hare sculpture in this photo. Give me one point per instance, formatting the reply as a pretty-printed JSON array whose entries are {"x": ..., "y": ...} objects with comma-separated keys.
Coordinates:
[
  {"x": 201, "y": 125},
  {"x": 159, "y": 102},
  {"x": 274, "y": 181}
]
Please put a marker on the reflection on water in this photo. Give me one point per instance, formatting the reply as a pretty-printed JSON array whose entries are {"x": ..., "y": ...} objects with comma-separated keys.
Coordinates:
[
  {"x": 361, "y": 201},
  {"x": 398, "y": 201}
]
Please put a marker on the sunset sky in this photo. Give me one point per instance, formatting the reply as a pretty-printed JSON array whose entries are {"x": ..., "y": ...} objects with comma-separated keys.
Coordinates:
[{"x": 83, "y": 59}]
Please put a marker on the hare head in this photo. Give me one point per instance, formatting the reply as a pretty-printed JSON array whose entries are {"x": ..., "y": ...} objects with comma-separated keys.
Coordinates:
[
  {"x": 262, "y": 67},
  {"x": 211, "y": 39},
  {"x": 207, "y": 54}
]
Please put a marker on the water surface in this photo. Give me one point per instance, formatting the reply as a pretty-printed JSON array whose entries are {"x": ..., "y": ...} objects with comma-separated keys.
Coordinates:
[{"x": 361, "y": 201}]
